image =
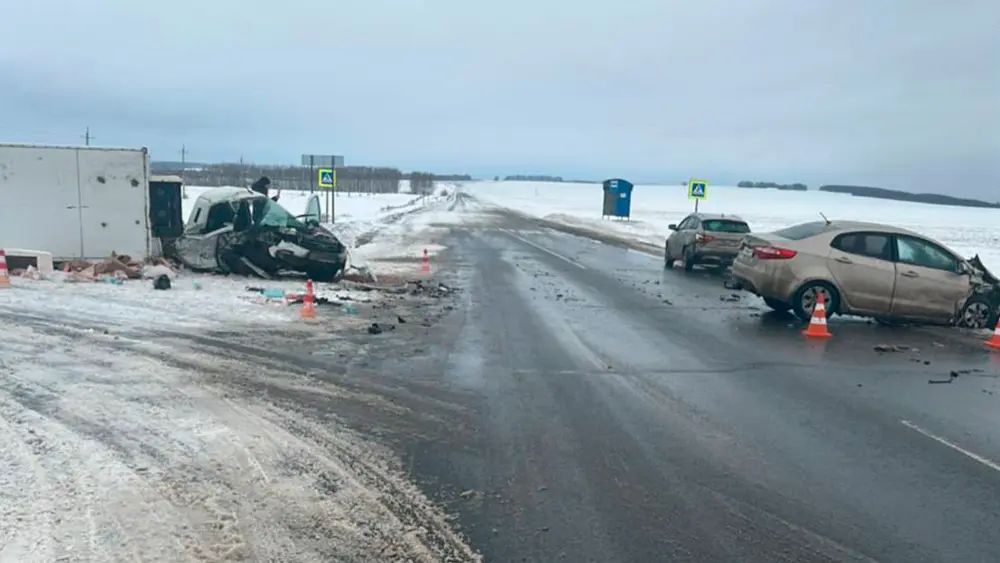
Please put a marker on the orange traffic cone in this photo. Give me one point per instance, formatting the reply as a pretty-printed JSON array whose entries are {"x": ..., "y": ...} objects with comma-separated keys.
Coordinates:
[
  {"x": 994, "y": 340},
  {"x": 308, "y": 304},
  {"x": 425, "y": 263},
  {"x": 817, "y": 324},
  {"x": 4, "y": 274}
]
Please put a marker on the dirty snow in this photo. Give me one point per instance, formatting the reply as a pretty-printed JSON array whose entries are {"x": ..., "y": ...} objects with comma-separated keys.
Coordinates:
[
  {"x": 398, "y": 245},
  {"x": 194, "y": 301},
  {"x": 119, "y": 450},
  {"x": 966, "y": 230}
]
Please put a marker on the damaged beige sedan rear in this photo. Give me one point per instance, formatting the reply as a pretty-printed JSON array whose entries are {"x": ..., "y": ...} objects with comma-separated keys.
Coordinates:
[{"x": 866, "y": 269}]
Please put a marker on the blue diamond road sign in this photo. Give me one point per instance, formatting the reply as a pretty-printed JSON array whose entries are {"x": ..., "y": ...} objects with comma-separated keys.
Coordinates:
[
  {"x": 326, "y": 179},
  {"x": 698, "y": 189}
]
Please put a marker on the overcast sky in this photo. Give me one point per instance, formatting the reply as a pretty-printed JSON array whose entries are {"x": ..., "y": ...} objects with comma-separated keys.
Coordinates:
[{"x": 897, "y": 93}]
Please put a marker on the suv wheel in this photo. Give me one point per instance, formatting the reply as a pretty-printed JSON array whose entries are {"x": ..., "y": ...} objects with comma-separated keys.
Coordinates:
[
  {"x": 689, "y": 259},
  {"x": 668, "y": 261}
]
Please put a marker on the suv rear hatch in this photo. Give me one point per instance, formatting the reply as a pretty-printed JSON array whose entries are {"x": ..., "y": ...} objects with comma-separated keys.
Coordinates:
[{"x": 722, "y": 234}]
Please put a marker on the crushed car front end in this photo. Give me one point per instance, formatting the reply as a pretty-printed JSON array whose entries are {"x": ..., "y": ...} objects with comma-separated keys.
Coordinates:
[
  {"x": 981, "y": 307},
  {"x": 258, "y": 237}
]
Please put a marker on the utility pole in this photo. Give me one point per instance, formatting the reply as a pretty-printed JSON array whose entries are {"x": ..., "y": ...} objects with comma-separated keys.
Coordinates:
[
  {"x": 87, "y": 137},
  {"x": 184, "y": 153}
]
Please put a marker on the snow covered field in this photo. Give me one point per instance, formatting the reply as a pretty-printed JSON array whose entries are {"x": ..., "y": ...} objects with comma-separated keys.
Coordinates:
[{"x": 966, "y": 230}]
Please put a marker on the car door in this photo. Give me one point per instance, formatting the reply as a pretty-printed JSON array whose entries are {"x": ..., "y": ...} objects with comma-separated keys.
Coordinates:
[
  {"x": 676, "y": 241},
  {"x": 929, "y": 285},
  {"x": 686, "y": 237},
  {"x": 314, "y": 211},
  {"x": 861, "y": 264},
  {"x": 197, "y": 247}
]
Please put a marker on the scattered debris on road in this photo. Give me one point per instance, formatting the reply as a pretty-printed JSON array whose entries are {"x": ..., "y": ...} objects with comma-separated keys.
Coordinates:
[{"x": 894, "y": 348}]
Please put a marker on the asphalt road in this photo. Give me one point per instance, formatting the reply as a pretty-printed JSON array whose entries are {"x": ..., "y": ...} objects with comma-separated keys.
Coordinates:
[{"x": 616, "y": 412}]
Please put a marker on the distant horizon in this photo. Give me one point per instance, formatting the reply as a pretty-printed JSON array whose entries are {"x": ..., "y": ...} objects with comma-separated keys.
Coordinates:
[{"x": 480, "y": 174}]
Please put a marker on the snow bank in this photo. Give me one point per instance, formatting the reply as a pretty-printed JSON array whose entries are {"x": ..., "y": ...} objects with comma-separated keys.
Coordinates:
[{"x": 397, "y": 246}]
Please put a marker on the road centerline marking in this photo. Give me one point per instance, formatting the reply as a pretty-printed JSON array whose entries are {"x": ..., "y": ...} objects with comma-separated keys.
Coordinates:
[
  {"x": 545, "y": 250},
  {"x": 969, "y": 454}
]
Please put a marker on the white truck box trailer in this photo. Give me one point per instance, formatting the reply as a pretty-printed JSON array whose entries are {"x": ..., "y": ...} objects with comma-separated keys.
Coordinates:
[{"x": 75, "y": 202}]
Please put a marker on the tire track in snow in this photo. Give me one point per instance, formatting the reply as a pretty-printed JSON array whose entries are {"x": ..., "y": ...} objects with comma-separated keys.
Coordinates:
[{"x": 153, "y": 464}]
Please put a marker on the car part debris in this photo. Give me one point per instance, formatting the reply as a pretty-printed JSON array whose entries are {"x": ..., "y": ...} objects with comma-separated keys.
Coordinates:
[{"x": 161, "y": 282}]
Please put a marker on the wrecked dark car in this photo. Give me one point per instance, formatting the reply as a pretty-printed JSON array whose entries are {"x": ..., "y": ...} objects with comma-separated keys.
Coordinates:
[
  {"x": 982, "y": 306},
  {"x": 239, "y": 231}
]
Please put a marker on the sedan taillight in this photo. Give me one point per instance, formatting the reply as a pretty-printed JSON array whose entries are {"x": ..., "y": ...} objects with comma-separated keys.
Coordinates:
[
  {"x": 773, "y": 253},
  {"x": 702, "y": 238}
]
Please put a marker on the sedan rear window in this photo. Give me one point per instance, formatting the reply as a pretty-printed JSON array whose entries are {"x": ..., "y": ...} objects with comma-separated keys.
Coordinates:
[
  {"x": 804, "y": 230},
  {"x": 724, "y": 226}
]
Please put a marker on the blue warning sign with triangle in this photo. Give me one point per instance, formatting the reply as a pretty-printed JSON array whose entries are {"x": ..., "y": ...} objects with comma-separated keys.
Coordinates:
[
  {"x": 698, "y": 189},
  {"x": 327, "y": 179}
]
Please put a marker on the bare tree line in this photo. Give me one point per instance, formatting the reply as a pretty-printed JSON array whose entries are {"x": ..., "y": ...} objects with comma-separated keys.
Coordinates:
[
  {"x": 361, "y": 179},
  {"x": 356, "y": 179}
]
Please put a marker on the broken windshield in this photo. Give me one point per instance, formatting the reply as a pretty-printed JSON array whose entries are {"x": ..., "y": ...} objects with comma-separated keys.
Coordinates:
[{"x": 274, "y": 215}]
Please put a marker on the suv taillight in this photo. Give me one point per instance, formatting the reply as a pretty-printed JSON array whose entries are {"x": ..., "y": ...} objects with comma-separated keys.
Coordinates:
[
  {"x": 699, "y": 237},
  {"x": 773, "y": 253}
]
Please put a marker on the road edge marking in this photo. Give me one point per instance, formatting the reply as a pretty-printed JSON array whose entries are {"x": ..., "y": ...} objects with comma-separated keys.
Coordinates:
[
  {"x": 969, "y": 454},
  {"x": 545, "y": 250}
]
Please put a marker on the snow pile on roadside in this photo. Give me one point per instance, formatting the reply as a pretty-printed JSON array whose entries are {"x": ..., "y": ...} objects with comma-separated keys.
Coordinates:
[
  {"x": 398, "y": 247},
  {"x": 359, "y": 217}
]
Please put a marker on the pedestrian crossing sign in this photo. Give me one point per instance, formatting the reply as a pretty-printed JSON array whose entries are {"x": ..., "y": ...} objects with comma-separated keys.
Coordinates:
[
  {"x": 698, "y": 189},
  {"x": 327, "y": 178}
]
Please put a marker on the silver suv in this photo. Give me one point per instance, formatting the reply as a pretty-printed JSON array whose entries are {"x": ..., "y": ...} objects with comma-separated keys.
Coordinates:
[{"x": 705, "y": 238}]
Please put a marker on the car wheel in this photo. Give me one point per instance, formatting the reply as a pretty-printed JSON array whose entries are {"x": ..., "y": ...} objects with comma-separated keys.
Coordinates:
[
  {"x": 978, "y": 312},
  {"x": 668, "y": 261},
  {"x": 805, "y": 299},
  {"x": 779, "y": 306},
  {"x": 689, "y": 259}
]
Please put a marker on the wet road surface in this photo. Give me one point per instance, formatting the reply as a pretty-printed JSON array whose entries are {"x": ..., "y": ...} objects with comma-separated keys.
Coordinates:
[{"x": 616, "y": 412}]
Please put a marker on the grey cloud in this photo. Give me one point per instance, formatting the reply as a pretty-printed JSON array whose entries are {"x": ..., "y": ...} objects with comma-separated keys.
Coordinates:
[{"x": 900, "y": 92}]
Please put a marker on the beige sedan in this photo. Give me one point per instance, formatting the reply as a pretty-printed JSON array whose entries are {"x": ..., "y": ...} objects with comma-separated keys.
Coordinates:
[{"x": 864, "y": 269}]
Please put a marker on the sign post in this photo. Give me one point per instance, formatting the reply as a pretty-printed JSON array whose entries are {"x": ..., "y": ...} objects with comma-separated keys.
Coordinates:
[
  {"x": 326, "y": 179},
  {"x": 697, "y": 190},
  {"x": 329, "y": 163}
]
